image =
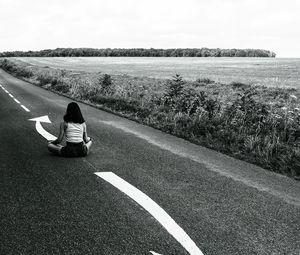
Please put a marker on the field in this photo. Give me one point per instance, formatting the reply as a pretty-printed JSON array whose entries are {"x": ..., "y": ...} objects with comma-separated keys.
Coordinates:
[
  {"x": 259, "y": 124},
  {"x": 274, "y": 72}
]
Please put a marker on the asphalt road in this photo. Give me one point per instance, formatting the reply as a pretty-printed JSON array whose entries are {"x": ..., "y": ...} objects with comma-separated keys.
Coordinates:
[{"x": 54, "y": 205}]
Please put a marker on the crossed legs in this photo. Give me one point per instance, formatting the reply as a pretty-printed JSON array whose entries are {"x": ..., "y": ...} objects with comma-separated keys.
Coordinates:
[{"x": 55, "y": 148}]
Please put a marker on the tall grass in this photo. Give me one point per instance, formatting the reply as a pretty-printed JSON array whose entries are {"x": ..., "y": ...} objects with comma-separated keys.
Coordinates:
[{"x": 254, "y": 123}]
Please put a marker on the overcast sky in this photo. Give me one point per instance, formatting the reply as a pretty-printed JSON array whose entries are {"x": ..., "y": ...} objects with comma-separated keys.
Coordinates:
[{"x": 48, "y": 24}]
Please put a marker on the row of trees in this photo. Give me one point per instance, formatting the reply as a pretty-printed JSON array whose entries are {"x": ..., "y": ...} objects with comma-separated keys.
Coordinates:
[{"x": 140, "y": 52}]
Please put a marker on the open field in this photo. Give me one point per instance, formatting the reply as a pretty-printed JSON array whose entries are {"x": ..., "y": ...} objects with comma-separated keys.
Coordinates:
[
  {"x": 275, "y": 72},
  {"x": 254, "y": 123}
]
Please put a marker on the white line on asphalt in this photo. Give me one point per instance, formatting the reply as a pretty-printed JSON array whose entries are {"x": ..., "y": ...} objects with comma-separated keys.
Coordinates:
[
  {"x": 16, "y": 100},
  {"x": 26, "y": 109},
  {"x": 41, "y": 130},
  {"x": 154, "y": 209}
]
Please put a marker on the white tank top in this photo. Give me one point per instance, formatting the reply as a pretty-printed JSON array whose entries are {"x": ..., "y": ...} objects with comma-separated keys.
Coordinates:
[{"x": 74, "y": 132}]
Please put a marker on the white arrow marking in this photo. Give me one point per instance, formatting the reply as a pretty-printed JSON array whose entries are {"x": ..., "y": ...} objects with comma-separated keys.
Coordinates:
[
  {"x": 40, "y": 128},
  {"x": 154, "y": 209}
]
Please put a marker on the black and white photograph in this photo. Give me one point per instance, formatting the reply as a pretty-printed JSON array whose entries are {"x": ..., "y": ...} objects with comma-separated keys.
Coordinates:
[{"x": 138, "y": 127}]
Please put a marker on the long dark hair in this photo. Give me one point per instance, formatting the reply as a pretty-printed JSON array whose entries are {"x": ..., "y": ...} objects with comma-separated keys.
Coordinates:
[{"x": 73, "y": 114}]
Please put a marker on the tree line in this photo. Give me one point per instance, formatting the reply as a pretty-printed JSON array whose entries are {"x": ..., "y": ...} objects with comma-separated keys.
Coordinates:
[{"x": 140, "y": 52}]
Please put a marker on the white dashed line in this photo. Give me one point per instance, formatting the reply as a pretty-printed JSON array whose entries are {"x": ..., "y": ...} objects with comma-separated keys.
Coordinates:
[
  {"x": 26, "y": 109},
  {"x": 16, "y": 100}
]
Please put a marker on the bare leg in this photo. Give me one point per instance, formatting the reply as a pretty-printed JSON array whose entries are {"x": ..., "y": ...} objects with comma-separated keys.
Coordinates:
[
  {"x": 54, "y": 148},
  {"x": 88, "y": 146}
]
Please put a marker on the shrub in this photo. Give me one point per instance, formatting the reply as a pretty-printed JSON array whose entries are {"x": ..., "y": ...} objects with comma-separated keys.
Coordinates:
[
  {"x": 118, "y": 104},
  {"x": 60, "y": 86},
  {"x": 188, "y": 101},
  {"x": 24, "y": 73},
  {"x": 44, "y": 79},
  {"x": 239, "y": 85},
  {"x": 175, "y": 87},
  {"x": 173, "y": 91},
  {"x": 6, "y": 65},
  {"x": 85, "y": 92},
  {"x": 106, "y": 83},
  {"x": 204, "y": 81}
]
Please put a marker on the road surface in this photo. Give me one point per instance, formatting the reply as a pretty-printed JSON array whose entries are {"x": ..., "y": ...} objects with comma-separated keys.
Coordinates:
[{"x": 54, "y": 205}]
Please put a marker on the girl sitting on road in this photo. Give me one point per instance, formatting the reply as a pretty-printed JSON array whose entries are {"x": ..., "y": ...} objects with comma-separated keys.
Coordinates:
[{"x": 74, "y": 129}]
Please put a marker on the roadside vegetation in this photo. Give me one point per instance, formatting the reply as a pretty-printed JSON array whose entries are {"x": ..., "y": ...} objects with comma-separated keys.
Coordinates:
[{"x": 257, "y": 124}]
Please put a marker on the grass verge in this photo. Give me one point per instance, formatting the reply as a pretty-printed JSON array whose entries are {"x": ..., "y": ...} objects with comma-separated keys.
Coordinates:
[{"x": 257, "y": 124}]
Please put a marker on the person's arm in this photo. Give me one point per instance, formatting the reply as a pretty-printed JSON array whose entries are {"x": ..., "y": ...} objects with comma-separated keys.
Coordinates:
[
  {"x": 86, "y": 139},
  {"x": 61, "y": 133}
]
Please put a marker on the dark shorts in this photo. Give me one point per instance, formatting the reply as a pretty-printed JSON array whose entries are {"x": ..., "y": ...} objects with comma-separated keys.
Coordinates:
[{"x": 74, "y": 150}]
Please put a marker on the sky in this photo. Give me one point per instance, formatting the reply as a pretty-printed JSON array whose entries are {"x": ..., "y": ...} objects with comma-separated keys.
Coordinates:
[{"x": 49, "y": 24}]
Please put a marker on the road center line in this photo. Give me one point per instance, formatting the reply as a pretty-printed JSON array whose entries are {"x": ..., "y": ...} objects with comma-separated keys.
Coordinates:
[
  {"x": 26, "y": 109},
  {"x": 17, "y": 101},
  {"x": 154, "y": 209}
]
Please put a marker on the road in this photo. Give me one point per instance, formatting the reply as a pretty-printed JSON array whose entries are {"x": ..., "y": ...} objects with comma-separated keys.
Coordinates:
[{"x": 54, "y": 205}]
